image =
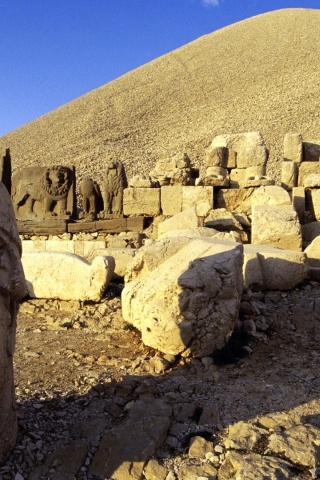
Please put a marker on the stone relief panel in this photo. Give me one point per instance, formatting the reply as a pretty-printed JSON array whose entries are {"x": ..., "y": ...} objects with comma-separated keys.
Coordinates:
[{"x": 44, "y": 192}]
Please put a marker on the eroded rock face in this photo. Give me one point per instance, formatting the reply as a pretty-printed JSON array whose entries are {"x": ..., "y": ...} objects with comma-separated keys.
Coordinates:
[
  {"x": 189, "y": 302},
  {"x": 12, "y": 290},
  {"x": 66, "y": 276}
]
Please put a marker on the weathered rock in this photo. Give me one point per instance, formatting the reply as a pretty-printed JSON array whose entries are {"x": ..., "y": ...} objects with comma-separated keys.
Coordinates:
[
  {"x": 191, "y": 301},
  {"x": 289, "y": 175},
  {"x": 203, "y": 472},
  {"x": 141, "y": 201},
  {"x": 199, "y": 197},
  {"x": 293, "y": 148},
  {"x": 13, "y": 289},
  {"x": 66, "y": 276},
  {"x": 155, "y": 471},
  {"x": 270, "y": 195},
  {"x": 299, "y": 444},
  {"x": 312, "y": 181},
  {"x": 306, "y": 169},
  {"x": 199, "y": 447},
  {"x": 92, "y": 201},
  {"x": 313, "y": 253},
  {"x": 266, "y": 267},
  {"x": 41, "y": 192},
  {"x": 234, "y": 199},
  {"x": 122, "y": 257},
  {"x": 114, "y": 183},
  {"x": 142, "y": 181},
  {"x": 276, "y": 225},
  {"x": 123, "y": 452},
  {"x": 315, "y": 202},
  {"x": 185, "y": 219},
  {"x": 243, "y": 436},
  {"x": 299, "y": 201},
  {"x": 203, "y": 232},
  {"x": 253, "y": 466}
]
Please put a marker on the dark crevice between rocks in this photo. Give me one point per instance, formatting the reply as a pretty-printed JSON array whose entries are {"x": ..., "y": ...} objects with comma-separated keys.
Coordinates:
[{"x": 235, "y": 350}]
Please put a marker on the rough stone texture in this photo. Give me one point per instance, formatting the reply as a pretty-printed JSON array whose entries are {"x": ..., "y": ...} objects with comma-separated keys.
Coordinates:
[
  {"x": 243, "y": 436},
  {"x": 270, "y": 195},
  {"x": 141, "y": 201},
  {"x": 217, "y": 157},
  {"x": 186, "y": 219},
  {"x": 289, "y": 175},
  {"x": 13, "y": 289},
  {"x": 315, "y": 203},
  {"x": 253, "y": 466},
  {"x": 191, "y": 301},
  {"x": 122, "y": 257},
  {"x": 306, "y": 169},
  {"x": 276, "y": 225},
  {"x": 171, "y": 199},
  {"x": 234, "y": 199},
  {"x": 199, "y": 197},
  {"x": 293, "y": 148},
  {"x": 91, "y": 195},
  {"x": 309, "y": 232},
  {"x": 311, "y": 151},
  {"x": 313, "y": 252},
  {"x": 199, "y": 447},
  {"x": 114, "y": 183},
  {"x": 299, "y": 201},
  {"x": 66, "y": 276},
  {"x": 155, "y": 471},
  {"x": 312, "y": 181},
  {"x": 202, "y": 232},
  {"x": 141, "y": 181},
  {"x": 222, "y": 220},
  {"x": 299, "y": 444},
  {"x": 123, "y": 453},
  {"x": 266, "y": 267},
  {"x": 42, "y": 192}
]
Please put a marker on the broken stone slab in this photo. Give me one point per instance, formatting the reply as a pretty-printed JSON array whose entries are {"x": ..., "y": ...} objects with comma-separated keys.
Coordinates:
[
  {"x": 66, "y": 276},
  {"x": 203, "y": 232},
  {"x": 243, "y": 436},
  {"x": 299, "y": 444},
  {"x": 122, "y": 257},
  {"x": 293, "y": 148},
  {"x": 199, "y": 197},
  {"x": 309, "y": 232},
  {"x": 186, "y": 219},
  {"x": 252, "y": 466},
  {"x": 270, "y": 268},
  {"x": 189, "y": 303},
  {"x": 313, "y": 253},
  {"x": 312, "y": 181},
  {"x": 276, "y": 225},
  {"x": 123, "y": 452},
  {"x": 141, "y": 201},
  {"x": 314, "y": 194},
  {"x": 289, "y": 175},
  {"x": 270, "y": 195},
  {"x": 234, "y": 200},
  {"x": 306, "y": 169},
  {"x": 299, "y": 201},
  {"x": 54, "y": 226}
]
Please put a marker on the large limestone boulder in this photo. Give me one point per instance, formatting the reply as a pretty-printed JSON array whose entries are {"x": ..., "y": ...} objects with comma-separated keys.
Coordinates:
[
  {"x": 270, "y": 195},
  {"x": 12, "y": 290},
  {"x": 313, "y": 253},
  {"x": 189, "y": 303},
  {"x": 276, "y": 225},
  {"x": 269, "y": 268},
  {"x": 66, "y": 276},
  {"x": 186, "y": 219}
]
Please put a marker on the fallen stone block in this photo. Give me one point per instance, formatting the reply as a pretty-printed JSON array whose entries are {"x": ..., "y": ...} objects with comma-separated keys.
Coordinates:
[
  {"x": 141, "y": 201},
  {"x": 306, "y": 169},
  {"x": 289, "y": 175},
  {"x": 171, "y": 199},
  {"x": 269, "y": 268},
  {"x": 186, "y": 219},
  {"x": 66, "y": 276},
  {"x": 270, "y": 195},
  {"x": 293, "y": 148},
  {"x": 199, "y": 197},
  {"x": 276, "y": 225},
  {"x": 122, "y": 257},
  {"x": 313, "y": 253},
  {"x": 190, "y": 303}
]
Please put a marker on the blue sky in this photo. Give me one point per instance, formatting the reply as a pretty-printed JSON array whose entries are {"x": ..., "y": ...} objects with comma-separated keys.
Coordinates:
[{"x": 53, "y": 51}]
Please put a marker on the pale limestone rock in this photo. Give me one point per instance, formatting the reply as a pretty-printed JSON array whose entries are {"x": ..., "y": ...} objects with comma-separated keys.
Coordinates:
[
  {"x": 270, "y": 195},
  {"x": 258, "y": 182},
  {"x": 269, "y": 268},
  {"x": 199, "y": 447},
  {"x": 252, "y": 466},
  {"x": 299, "y": 444},
  {"x": 186, "y": 219},
  {"x": 213, "y": 181},
  {"x": 234, "y": 199},
  {"x": 203, "y": 232},
  {"x": 222, "y": 220},
  {"x": 276, "y": 225},
  {"x": 122, "y": 257},
  {"x": 199, "y": 197},
  {"x": 312, "y": 181},
  {"x": 155, "y": 471},
  {"x": 293, "y": 147},
  {"x": 315, "y": 202},
  {"x": 243, "y": 436},
  {"x": 306, "y": 169},
  {"x": 313, "y": 253},
  {"x": 256, "y": 171},
  {"x": 171, "y": 200},
  {"x": 66, "y": 276},
  {"x": 252, "y": 155},
  {"x": 217, "y": 157},
  {"x": 12, "y": 291},
  {"x": 141, "y": 181},
  {"x": 197, "y": 472},
  {"x": 190, "y": 302},
  {"x": 238, "y": 177},
  {"x": 299, "y": 201},
  {"x": 289, "y": 175},
  {"x": 141, "y": 201}
]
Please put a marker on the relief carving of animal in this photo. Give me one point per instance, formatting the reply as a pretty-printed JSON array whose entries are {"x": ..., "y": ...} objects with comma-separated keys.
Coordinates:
[
  {"x": 48, "y": 186},
  {"x": 115, "y": 182},
  {"x": 91, "y": 197}
]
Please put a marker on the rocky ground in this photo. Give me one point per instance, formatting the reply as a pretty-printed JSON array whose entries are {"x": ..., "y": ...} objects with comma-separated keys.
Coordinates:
[{"x": 95, "y": 403}]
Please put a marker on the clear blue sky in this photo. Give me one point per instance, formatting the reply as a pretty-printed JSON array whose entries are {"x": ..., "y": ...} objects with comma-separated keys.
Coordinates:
[{"x": 53, "y": 51}]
